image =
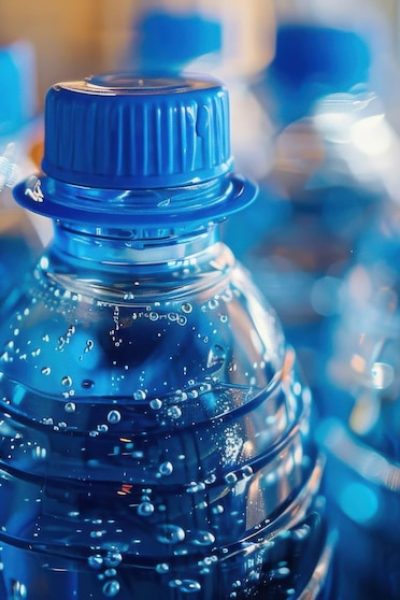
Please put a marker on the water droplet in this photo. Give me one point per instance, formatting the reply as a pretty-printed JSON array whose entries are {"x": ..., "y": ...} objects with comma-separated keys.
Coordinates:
[
  {"x": 156, "y": 404},
  {"x": 187, "y": 307},
  {"x": 113, "y": 417},
  {"x": 166, "y": 468},
  {"x": 170, "y": 534},
  {"x": 203, "y": 538},
  {"x": 162, "y": 568},
  {"x": 139, "y": 395},
  {"x": 111, "y": 588},
  {"x": 95, "y": 561},
  {"x": 70, "y": 407},
  {"x": 67, "y": 381},
  {"x": 223, "y": 318},
  {"x": 46, "y": 371},
  {"x": 145, "y": 509}
]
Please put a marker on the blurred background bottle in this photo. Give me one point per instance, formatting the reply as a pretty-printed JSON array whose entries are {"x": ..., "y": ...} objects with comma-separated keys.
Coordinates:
[
  {"x": 333, "y": 164},
  {"x": 21, "y": 237},
  {"x": 230, "y": 40},
  {"x": 362, "y": 436}
]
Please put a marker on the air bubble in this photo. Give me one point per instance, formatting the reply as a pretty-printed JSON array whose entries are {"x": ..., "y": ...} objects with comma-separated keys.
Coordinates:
[
  {"x": 203, "y": 538},
  {"x": 111, "y": 588},
  {"x": 67, "y": 381},
  {"x": 110, "y": 573},
  {"x": 145, "y": 509},
  {"x": 231, "y": 479},
  {"x": 166, "y": 468},
  {"x": 95, "y": 561},
  {"x": 156, "y": 404},
  {"x": 187, "y": 308},
  {"x": 113, "y": 559},
  {"x": 186, "y": 586},
  {"x": 139, "y": 395},
  {"x": 218, "y": 509},
  {"x": 114, "y": 417},
  {"x": 46, "y": 371},
  {"x": 162, "y": 568},
  {"x": 174, "y": 412},
  {"x": 70, "y": 407},
  {"x": 247, "y": 471},
  {"x": 170, "y": 534}
]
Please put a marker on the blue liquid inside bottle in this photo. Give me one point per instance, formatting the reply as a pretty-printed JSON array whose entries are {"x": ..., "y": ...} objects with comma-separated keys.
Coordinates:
[{"x": 155, "y": 435}]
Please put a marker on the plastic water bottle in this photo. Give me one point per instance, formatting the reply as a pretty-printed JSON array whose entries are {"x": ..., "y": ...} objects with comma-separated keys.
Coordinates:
[
  {"x": 333, "y": 153},
  {"x": 20, "y": 238},
  {"x": 155, "y": 436},
  {"x": 363, "y": 432}
]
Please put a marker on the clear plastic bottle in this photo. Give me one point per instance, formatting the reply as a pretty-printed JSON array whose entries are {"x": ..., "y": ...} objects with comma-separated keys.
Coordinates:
[
  {"x": 334, "y": 155},
  {"x": 20, "y": 236},
  {"x": 362, "y": 435},
  {"x": 155, "y": 436}
]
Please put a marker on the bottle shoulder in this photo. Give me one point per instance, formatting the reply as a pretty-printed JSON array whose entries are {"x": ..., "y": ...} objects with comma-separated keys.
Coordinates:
[{"x": 76, "y": 336}]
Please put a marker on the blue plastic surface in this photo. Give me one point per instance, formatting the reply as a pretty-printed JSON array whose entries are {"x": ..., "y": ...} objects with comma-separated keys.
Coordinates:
[
  {"x": 122, "y": 131},
  {"x": 165, "y": 41},
  {"x": 312, "y": 61}
]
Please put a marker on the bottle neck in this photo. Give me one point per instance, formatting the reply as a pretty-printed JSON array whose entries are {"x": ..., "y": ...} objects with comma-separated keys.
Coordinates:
[{"x": 110, "y": 248}]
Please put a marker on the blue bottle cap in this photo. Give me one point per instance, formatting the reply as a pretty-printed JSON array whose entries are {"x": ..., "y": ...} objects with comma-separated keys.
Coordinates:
[
  {"x": 307, "y": 53},
  {"x": 168, "y": 41},
  {"x": 123, "y": 132},
  {"x": 18, "y": 87},
  {"x": 312, "y": 61}
]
